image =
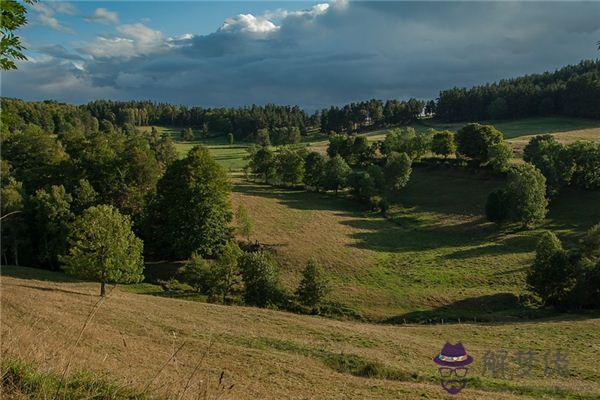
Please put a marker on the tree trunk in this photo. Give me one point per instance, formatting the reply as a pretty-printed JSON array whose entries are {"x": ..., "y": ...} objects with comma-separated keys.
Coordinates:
[
  {"x": 102, "y": 289},
  {"x": 16, "y": 251}
]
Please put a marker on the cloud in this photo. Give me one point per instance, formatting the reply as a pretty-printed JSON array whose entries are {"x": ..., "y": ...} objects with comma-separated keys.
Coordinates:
[
  {"x": 47, "y": 11},
  {"x": 327, "y": 54},
  {"x": 103, "y": 16}
]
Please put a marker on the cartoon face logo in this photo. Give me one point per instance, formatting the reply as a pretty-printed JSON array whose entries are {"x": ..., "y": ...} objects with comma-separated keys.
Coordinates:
[{"x": 453, "y": 360}]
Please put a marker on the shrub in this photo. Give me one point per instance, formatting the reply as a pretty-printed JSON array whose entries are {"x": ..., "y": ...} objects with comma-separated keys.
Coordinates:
[
  {"x": 313, "y": 287},
  {"x": 473, "y": 141},
  {"x": 103, "y": 247},
  {"x": 225, "y": 273},
  {"x": 230, "y": 138},
  {"x": 243, "y": 222},
  {"x": 260, "y": 274},
  {"x": 197, "y": 273}
]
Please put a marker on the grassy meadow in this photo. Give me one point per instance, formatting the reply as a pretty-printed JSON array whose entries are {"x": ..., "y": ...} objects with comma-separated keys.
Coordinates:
[
  {"x": 433, "y": 270},
  {"x": 167, "y": 348}
]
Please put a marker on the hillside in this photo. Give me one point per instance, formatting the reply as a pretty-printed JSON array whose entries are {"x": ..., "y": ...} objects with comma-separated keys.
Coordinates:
[{"x": 269, "y": 354}]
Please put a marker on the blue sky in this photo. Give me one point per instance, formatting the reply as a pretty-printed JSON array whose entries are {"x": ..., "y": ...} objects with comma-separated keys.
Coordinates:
[{"x": 308, "y": 53}]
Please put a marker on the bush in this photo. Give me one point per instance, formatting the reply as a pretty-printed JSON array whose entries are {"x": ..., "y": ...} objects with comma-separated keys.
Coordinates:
[
  {"x": 473, "y": 141},
  {"x": 499, "y": 156},
  {"x": 260, "y": 274},
  {"x": 497, "y": 206},
  {"x": 313, "y": 287},
  {"x": 196, "y": 273},
  {"x": 225, "y": 273}
]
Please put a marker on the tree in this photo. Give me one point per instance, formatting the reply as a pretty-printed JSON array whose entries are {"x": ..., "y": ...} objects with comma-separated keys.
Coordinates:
[
  {"x": 226, "y": 272},
  {"x": 191, "y": 211},
  {"x": 163, "y": 148},
  {"x": 14, "y": 16},
  {"x": 407, "y": 141},
  {"x": 262, "y": 162},
  {"x": 551, "y": 275},
  {"x": 84, "y": 196},
  {"x": 314, "y": 170},
  {"x": 443, "y": 143},
  {"x": 586, "y": 157},
  {"x": 230, "y": 138},
  {"x": 313, "y": 286},
  {"x": 499, "y": 156},
  {"x": 498, "y": 109},
  {"x": 263, "y": 137},
  {"x": 397, "y": 172},
  {"x": 188, "y": 135},
  {"x": 552, "y": 159},
  {"x": 361, "y": 151},
  {"x": 103, "y": 247},
  {"x": 362, "y": 186},
  {"x": 260, "y": 274},
  {"x": 497, "y": 206},
  {"x": 473, "y": 141},
  {"x": 243, "y": 222},
  {"x": 336, "y": 173},
  {"x": 11, "y": 214},
  {"x": 526, "y": 189},
  {"x": 290, "y": 166},
  {"x": 49, "y": 217},
  {"x": 377, "y": 175}
]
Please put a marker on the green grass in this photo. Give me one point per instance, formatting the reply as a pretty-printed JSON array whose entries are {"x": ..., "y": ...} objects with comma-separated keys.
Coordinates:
[{"x": 22, "y": 380}]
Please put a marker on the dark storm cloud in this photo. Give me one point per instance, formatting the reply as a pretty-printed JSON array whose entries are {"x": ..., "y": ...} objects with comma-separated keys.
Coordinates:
[{"x": 327, "y": 55}]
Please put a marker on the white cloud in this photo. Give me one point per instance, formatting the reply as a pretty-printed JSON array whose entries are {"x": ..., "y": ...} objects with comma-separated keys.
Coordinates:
[
  {"x": 133, "y": 40},
  {"x": 248, "y": 23},
  {"x": 47, "y": 11},
  {"x": 317, "y": 9},
  {"x": 104, "y": 16}
]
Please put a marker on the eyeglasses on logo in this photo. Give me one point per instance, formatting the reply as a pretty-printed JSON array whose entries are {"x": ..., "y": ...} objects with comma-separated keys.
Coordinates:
[{"x": 452, "y": 361}]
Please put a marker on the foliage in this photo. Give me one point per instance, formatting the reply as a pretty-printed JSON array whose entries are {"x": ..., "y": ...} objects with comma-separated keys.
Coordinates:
[
  {"x": 49, "y": 216},
  {"x": 263, "y": 137},
  {"x": 260, "y": 274},
  {"x": 336, "y": 173},
  {"x": 586, "y": 158},
  {"x": 397, "y": 172},
  {"x": 473, "y": 141},
  {"x": 285, "y": 135},
  {"x": 499, "y": 156},
  {"x": 289, "y": 164},
  {"x": 191, "y": 210},
  {"x": 103, "y": 247},
  {"x": 225, "y": 272},
  {"x": 407, "y": 141},
  {"x": 552, "y": 159},
  {"x": 567, "y": 278},
  {"x": 243, "y": 222},
  {"x": 526, "y": 189},
  {"x": 196, "y": 273},
  {"x": 314, "y": 168},
  {"x": 230, "y": 138},
  {"x": 187, "y": 134},
  {"x": 443, "y": 143},
  {"x": 570, "y": 91},
  {"x": 84, "y": 196},
  {"x": 11, "y": 213},
  {"x": 262, "y": 162},
  {"x": 362, "y": 186},
  {"x": 14, "y": 16},
  {"x": 313, "y": 286}
]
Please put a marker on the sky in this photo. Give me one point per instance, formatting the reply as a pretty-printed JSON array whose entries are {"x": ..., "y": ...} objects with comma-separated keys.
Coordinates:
[{"x": 311, "y": 54}]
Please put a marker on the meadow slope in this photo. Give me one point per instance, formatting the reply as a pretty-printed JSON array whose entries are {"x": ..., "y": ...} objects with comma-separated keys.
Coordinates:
[{"x": 269, "y": 354}]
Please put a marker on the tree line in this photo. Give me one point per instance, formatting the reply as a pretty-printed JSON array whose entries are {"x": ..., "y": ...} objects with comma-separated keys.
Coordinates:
[{"x": 572, "y": 91}]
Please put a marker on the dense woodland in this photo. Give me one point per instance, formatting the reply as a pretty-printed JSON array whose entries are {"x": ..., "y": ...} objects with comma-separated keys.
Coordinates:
[{"x": 572, "y": 91}]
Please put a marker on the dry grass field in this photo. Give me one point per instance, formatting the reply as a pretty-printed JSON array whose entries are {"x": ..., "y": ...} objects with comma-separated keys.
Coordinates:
[{"x": 163, "y": 346}]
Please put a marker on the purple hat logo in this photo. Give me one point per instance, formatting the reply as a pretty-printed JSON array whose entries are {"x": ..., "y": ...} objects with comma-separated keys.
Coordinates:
[{"x": 453, "y": 360}]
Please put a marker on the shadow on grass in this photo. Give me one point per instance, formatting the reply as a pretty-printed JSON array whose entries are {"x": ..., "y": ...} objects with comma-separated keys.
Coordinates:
[
  {"x": 38, "y": 274},
  {"x": 495, "y": 308}
]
